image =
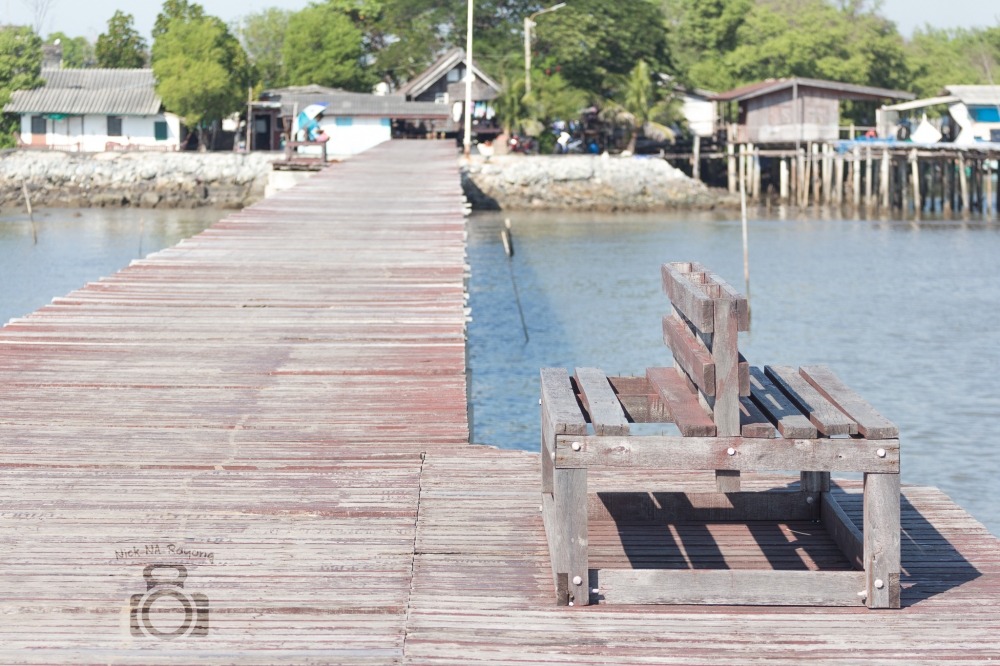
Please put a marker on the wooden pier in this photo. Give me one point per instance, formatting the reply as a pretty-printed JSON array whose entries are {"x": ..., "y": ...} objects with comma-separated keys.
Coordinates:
[
  {"x": 276, "y": 409},
  {"x": 873, "y": 177}
]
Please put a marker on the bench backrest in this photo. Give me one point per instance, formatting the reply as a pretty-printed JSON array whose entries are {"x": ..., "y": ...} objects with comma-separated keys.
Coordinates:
[{"x": 702, "y": 331}]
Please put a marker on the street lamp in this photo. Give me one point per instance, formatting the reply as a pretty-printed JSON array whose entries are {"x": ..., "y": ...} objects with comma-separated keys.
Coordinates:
[{"x": 528, "y": 22}]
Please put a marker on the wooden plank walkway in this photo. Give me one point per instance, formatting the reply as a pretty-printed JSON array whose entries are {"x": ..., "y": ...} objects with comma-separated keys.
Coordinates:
[{"x": 279, "y": 405}]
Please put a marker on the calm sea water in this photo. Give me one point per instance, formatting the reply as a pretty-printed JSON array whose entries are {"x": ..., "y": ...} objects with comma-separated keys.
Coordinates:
[
  {"x": 907, "y": 314},
  {"x": 78, "y": 246}
]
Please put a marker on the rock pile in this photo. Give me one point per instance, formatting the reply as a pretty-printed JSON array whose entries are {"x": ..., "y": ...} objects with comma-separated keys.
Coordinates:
[
  {"x": 145, "y": 179},
  {"x": 585, "y": 182}
]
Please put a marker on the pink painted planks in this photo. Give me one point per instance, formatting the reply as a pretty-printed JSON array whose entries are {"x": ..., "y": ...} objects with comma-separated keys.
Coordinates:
[{"x": 252, "y": 405}]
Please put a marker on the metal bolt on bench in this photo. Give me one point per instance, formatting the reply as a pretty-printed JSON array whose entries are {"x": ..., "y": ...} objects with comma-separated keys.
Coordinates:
[{"x": 727, "y": 413}]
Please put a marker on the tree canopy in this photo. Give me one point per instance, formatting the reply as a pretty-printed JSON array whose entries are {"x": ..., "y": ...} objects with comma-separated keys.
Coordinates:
[
  {"x": 262, "y": 36},
  {"x": 202, "y": 73},
  {"x": 324, "y": 46},
  {"x": 121, "y": 46},
  {"x": 77, "y": 52},
  {"x": 20, "y": 69}
]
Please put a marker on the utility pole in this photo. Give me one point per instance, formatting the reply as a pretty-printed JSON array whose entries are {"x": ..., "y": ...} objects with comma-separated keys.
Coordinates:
[
  {"x": 529, "y": 23},
  {"x": 469, "y": 76}
]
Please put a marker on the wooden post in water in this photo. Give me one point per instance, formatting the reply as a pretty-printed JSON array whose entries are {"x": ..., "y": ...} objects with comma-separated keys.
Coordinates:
[
  {"x": 963, "y": 181},
  {"x": 783, "y": 180},
  {"x": 885, "y": 169},
  {"x": 696, "y": 159},
  {"x": 741, "y": 167},
  {"x": 988, "y": 187},
  {"x": 915, "y": 172},
  {"x": 731, "y": 167},
  {"x": 856, "y": 178},
  {"x": 829, "y": 186},
  {"x": 869, "y": 185},
  {"x": 756, "y": 182},
  {"x": 815, "y": 168},
  {"x": 946, "y": 187},
  {"x": 805, "y": 176},
  {"x": 838, "y": 178},
  {"x": 31, "y": 214}
]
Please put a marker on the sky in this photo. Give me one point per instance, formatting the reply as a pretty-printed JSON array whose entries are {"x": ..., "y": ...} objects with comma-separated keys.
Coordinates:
[{"x": 89, "y": 18}]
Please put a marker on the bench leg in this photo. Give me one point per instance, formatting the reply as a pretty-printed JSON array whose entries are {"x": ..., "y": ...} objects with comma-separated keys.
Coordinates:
[
  {"x": 570, "y": 494},
  {"x": 881, "y": 540}
]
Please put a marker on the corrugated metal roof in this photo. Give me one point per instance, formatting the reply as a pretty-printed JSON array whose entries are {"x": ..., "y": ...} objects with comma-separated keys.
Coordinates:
[
  {"x": 976, "y": 95},
  {"x": 845, "y": 90},
  {"x": 343, "y": 103},
  {"x": 124, "y": 92}
]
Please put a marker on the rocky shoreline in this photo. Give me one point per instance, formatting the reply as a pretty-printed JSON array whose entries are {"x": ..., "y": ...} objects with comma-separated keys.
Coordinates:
[
  {"x": 139, "y": 179},
  {"x": 585, "y": 182},
  {"x": 235, "y": 180}
]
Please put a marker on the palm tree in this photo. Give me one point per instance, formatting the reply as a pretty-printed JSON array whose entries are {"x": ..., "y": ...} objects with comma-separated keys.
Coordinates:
[
  {"x": 641, "y": 110},
  {"x": 511, "y": 106}
]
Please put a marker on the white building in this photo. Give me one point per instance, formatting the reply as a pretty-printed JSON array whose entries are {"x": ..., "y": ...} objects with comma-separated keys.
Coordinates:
[
  {"x": 973, "y": 115},
  {"x": 95, "y": 110},
  {"x": 354, "y": 122},
  {"x": 698, "y": 110}
]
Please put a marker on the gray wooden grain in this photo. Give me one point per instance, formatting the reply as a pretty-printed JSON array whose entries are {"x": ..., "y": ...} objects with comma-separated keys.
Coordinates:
[
  {"x": 871, "y": 424},
  {"x": 882, "y": 539},
  {"x": 843, "y": 530},
  {"x": 685, "y": 410},
  {"x": 690, "y": 353},
  {"x": 791, "y": 423},
  {"x": 726, "y": 405},
  {"x": 688, "y": 298},
  {"x": 600, "y": 401},
  {"x": 725, "y": 588},
  {"x": 821, "y": 412},
  {"x": 748, "y": 454}
]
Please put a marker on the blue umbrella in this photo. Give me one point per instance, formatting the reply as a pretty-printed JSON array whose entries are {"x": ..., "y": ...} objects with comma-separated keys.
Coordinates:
[{"x": 307, "y": 119}]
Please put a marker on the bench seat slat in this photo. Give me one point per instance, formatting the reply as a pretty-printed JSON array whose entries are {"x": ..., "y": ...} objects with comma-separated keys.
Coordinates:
[
  {"x": 560, "y": 405},
  {"x": 752, "y": 422},
  {"x": 688, "y": 414},
  {"x": 821, "y": 412},
  {"x": 871, "y": 424},
  {"x": 600, "y": 401},
  {"x": 778, "y": 408}
]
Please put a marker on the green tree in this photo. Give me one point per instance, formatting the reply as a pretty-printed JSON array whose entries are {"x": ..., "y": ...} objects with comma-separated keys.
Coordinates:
[
  {"x": 121, "y": 47},
  {"x": 511, "y": 109},
  {"x": 784, "y": 38},
  {"x": 202, "y": 73},
  {"x": 593, "y": 43},
  {"x": 700, "y": 33},
  {"x": 941, "y": 57},
  {"x": 325, "y": 47},
  {"x": 77, "y": 52},
  {"x": 20, "y": 69},
  {"x": 642, "y": 109},
  {"x": 263, "y": 38},
  {"x": 176, "y": 9},
  {"x": 552, "y": 98}
]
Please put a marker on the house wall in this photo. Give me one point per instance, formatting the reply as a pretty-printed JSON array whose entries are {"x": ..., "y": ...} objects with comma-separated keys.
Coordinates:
[
  {"x": 352, "y": 135},
  {"x": 438, "y": 91},
  {"x": 779, "y": 118},
  {"x": 89, "y": 133},
  {"x": 700, "y": 115}
]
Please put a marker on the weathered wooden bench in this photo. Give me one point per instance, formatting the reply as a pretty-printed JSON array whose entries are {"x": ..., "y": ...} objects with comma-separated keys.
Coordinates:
[{"x": 732, "y": 418}]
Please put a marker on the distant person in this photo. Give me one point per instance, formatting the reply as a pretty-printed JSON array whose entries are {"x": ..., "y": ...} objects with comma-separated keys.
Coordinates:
[{"x": 562, "y": 142}]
